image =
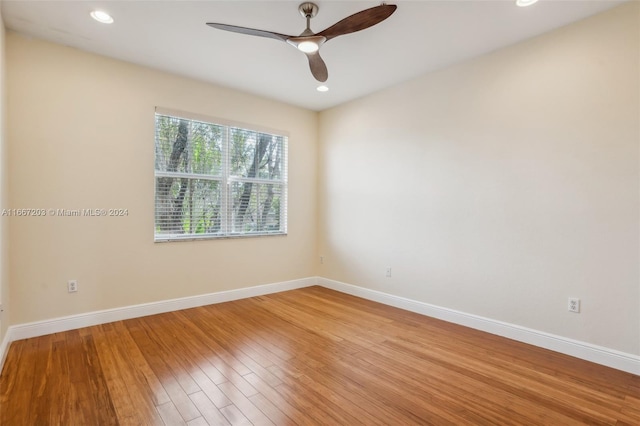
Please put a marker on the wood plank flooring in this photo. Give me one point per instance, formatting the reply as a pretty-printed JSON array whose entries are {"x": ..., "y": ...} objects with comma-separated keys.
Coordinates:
[{"x": 309, "y": 357}]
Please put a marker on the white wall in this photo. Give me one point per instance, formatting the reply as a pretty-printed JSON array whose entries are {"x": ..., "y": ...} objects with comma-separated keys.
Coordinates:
[
  {"x": 499, "y": 187},
  {"x": 81, "y": 135}
]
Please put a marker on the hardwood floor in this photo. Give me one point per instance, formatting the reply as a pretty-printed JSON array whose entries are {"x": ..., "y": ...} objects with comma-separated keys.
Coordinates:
[{"x": 308, "y": 356}]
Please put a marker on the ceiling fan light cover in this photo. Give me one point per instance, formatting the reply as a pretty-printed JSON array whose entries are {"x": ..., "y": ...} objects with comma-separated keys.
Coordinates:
[{"x": 308, "y": 46}]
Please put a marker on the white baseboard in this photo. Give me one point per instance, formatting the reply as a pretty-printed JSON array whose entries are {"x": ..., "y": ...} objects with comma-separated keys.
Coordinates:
[
  {"x": 4, "y": 348},
  {"x": 598, "y": 354},
  {"x": 72, "y": 322}
]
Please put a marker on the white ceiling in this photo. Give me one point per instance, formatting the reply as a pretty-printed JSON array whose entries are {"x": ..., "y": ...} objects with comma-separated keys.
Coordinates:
[{"x": 421, "y": 36}]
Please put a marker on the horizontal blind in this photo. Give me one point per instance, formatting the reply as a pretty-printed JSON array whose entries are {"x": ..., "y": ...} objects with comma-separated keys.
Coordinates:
[{"x": 215, "y": 180}]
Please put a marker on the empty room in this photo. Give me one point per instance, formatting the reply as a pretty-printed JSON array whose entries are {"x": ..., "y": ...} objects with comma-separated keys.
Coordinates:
[{"x": 319, "y": 213}]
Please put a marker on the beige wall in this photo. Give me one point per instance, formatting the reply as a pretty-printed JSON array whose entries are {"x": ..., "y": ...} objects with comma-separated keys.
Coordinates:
[
  {"x": 499, "y": 187},
  {"x": 4, "y": 194},
  {"x": 81, "y": 135}
]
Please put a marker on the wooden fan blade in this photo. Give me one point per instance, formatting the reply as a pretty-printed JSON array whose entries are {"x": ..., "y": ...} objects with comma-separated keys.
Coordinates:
[
  {"x": 318, "y": 67},
  {"x": 249, "y": 31},
  {"x": 359, "y": 21}
]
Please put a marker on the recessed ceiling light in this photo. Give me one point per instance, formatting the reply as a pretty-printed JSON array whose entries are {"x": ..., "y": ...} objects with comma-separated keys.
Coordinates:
[
  {"x": 101, "y": 16},
  {"x": 322, "y": 88},
  {"x": 525, "y": 3}
]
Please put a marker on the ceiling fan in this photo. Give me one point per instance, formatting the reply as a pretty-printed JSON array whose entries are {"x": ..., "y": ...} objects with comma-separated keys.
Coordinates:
[{"x": 309, "y": 42}]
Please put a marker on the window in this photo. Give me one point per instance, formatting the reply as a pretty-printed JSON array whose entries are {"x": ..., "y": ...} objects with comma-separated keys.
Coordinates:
[{"x": 217, "y": 180}]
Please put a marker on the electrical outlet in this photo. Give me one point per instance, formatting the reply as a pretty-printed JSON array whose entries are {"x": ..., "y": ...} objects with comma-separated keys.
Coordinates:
[
  {"x": 72, "y": 286},
  {"x": 322, "y": 260},
  {"x": 388, "y": 271},
  {"x": 574, "y": 305}
]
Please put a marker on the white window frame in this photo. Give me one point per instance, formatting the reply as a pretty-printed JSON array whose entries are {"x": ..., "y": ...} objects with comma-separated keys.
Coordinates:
[{"x": 225, "y": 179}]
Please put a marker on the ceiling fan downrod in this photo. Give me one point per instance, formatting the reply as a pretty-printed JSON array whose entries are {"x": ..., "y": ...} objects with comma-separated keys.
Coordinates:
[{"x": 308, "y": 10}]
